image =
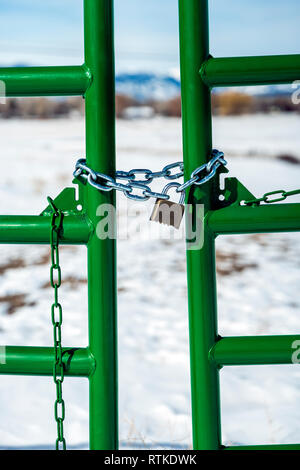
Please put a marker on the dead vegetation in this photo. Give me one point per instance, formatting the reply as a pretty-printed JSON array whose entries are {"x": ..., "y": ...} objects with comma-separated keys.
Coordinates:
[
  {"x": 232, "y": 104},
  {"x": 170, "y": 108},
  {"x": 15, "y": 301},
  {"x": 46, "y": 108},
  {"x": 18, "y": 263},
  {"x": 122, "y": 103},
  {"x": 41, "y": 108},
  {"x": 15, "y": 263}
]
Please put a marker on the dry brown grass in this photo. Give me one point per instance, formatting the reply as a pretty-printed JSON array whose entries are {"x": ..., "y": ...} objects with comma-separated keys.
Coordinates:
[
  {"x": 15, "y": 301},
  {"x": 225, "y": 104}
]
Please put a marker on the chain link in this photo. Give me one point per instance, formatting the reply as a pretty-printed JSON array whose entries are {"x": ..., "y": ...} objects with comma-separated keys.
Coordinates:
[
  {"x": 272, "y": 196},
  {"x": 57, "y": 319},
  {"x": 172, "y": 171}
]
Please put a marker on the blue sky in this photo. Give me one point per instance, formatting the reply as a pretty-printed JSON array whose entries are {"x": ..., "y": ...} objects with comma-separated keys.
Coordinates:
[{"x": 42, "y": 32}]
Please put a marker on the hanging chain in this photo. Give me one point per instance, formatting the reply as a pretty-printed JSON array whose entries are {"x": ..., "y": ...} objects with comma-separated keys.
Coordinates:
[
  {"x": 57, "y": 319},
  {"x": 173, "y": 171},
  {"x": 272, "y": 196}
]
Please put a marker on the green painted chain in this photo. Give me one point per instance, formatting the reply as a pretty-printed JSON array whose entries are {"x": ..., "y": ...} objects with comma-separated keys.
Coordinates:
[
  {"x": 282, "y": 195},
  {"x": 56, "y": 316}
]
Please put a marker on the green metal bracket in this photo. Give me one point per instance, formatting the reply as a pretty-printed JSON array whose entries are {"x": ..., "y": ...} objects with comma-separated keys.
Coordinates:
[{"x": 234, "y": 193}]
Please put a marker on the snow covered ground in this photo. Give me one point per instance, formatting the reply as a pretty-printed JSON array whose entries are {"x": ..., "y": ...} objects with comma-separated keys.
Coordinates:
[{"x": 258, "y": 286}]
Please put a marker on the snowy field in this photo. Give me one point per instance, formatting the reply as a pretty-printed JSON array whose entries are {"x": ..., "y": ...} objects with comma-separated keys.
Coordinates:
[{"x": 258, "y": 290}]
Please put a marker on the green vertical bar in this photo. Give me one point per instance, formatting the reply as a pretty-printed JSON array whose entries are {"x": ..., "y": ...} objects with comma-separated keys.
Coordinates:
[
  {"x": 100, "y": 148},
  {"x": 197, "y": 142}
]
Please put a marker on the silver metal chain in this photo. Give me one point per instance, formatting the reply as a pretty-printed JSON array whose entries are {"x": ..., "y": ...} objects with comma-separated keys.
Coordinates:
[{"x": 173, "y": 171}]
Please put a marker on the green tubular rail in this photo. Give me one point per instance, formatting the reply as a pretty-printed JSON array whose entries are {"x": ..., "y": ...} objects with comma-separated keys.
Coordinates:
[
  {"x": 265, "y": 447},
  {"x": 259, "y": 70},
  {"x": 197, "y": 144},
  {"x": 46, "y": 81},
  {"x": 28, "y": 360},
  {"x": 100, "y": 153},
  {"x": 34, "y": 229},
  {"x": 243, "y": 219},
  {"x": 208, "y": 352},
  {"x": 253, "y": 350}
]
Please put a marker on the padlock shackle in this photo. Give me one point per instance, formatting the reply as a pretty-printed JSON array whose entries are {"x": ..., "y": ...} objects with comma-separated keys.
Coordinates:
[{"x": 174, "y": 185}]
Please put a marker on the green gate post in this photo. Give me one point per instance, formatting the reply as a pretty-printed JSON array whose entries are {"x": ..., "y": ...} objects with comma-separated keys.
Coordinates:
[
  {"x": 100, "y": 149},
  {"x": 197, "y": 143}
]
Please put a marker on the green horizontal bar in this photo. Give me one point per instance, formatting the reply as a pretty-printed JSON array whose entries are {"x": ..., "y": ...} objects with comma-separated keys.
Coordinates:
[
  {"x": 257, "y": 70},
  {"x": 27, "y": 360},
  {"x": 254, "y": 350},
  {"x": 265, "y": 447},
  {"x": 27, "y": 229},
  {"x": 261, "y": 219},
  {"x": 45, "y": 81}
]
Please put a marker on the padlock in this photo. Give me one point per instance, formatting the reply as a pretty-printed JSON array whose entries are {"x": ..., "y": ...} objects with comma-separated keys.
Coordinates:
[{"x": 168, "y": 212}]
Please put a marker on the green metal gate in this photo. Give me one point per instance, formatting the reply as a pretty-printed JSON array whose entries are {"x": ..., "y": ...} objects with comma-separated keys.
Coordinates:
[
  {"x": 199, "y": 73},
  {"x": 95, "y": 81}
]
